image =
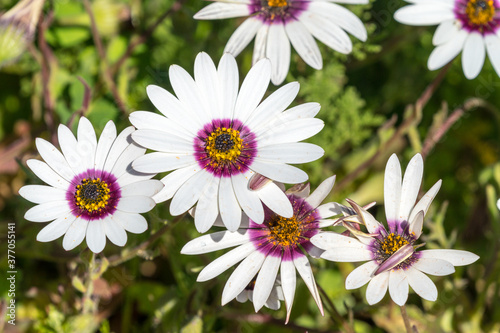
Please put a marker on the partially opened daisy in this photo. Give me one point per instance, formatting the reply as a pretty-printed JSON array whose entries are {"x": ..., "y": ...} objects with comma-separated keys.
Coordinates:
[
  {"x": 278, "y": 244},
  {"x": 471, "y": 26},
  {"x": 92, "y": 191},
  {"x": 277, "y": 23},
  {"x": 215, "y": 138},
  {"x": 393, "y": 262}
]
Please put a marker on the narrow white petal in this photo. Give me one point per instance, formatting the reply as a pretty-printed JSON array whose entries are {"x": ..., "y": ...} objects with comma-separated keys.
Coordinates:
[
  {"x": 417, "y": 224},
  {"x": 304, "y": 268},
  {"x": 274, "y": 198},
  {"x": 329, "y": 210},
  {"x": 104, "y": 144},
  {"x": 445, "y": 32},
  {"x": 296, "y": 152},
  {"x": 54, "y": 158},
  {"x": 96, "y": 238},
  {"x": 45, "y": 173},
  {"x": 265, "y": 281},
  {"x": 259, "y": 49},
  {"x": 281, "y": 130},
  {"x": 55, "y": 229},
  {"x": 242, "y": 276},
  {"x": 189, "y": 193},
  {"x": 333, "y": 241},
  {"x": 173, "y": 181},
  {"x": 207, "y": 208},
  {"x": 220, "y": 10},
  {"x": 411, "y": 186},
  {"x": 243, "y": 296},
  {"x": 302, "y": 111},
  {"x": 345, "y": 254},
  {"x": 248, "y": 200},
  {"x": 473, "y": 55},
  {"x": 135, "y": 204},
  {"x": 444, "y": 53},
  {"x": 433, "y": 266},
  {"x": 215, "y": 241},
  {"x": 229, "y": 207},
  {"x": 392, "y": 189},
  {"x": 123, "y": 163},
  {"x": 69, "y": 147},
  {"x": 145, "y": 120},
  {"x": 321, "y": 192},
  {"x": 398, "y": 286},
  {"x": 288, "y": 284},
  {"x": 455, "y": 257},
  {"x": 361, "y": 275},
  {"x": 342, "y": 17},
  {"x": 304, "y": 43},
  {"x": 282, "y": 173},
  {"x": 87, "y": 142},
  {"x": 75, "y": 234},
  {"x": 42, "y": 194},
  {"x": 207, "y": 80},
  {"x": 121, "y": 142},
  {"x": 224, "y": 262},
  {"x": 229, "y": 81},
  {"x": 162, "y": 162},
  {"x": 424, "y": 14},
  {"x": 131, "y": 222},
  {"x": 115, "y": 232},
  {"x": 327, "y": 32},
  {"x": 162, "y": 141},
  {"x": 278, "y": 51},
  {"x": 377, "y": 288},
  {"x": 146, "y": 188},
  {"x": 424, "y": 203},
  {"x": 421, "y": 284},
  {"x": 131, "y": 176},
  {"x": 493, "y": 48},
  {"x": 47, "y": 211},
  {"x": 243, "y": 35}
]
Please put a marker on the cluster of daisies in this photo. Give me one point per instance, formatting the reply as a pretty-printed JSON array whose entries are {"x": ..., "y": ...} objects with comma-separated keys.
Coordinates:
[{"x": 227, "y": 153}]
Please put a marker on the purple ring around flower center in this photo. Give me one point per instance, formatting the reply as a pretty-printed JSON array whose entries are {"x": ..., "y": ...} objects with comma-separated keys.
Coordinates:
[
  {"x": 286, "y": 238},
  {"x": 463, "y": 10},
  {"x": 234, "y": 156},
  {"x": 272, "y": 14},
  {"x": 103, "y": 180}
]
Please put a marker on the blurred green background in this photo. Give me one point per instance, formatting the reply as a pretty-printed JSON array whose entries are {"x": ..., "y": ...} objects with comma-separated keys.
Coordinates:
[{"x": 367, "y": 101}]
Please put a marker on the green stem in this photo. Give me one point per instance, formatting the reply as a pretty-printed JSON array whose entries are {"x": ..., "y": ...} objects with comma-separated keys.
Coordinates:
[
  {"x": 406, "y": 319},
  {"x": 336, "y": 316},
  {"x": 88, "y": 303}
]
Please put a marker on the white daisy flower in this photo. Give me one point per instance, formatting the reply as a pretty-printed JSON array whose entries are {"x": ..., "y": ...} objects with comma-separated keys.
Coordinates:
[
  {"x": 277, "y": 23},
  {"x": 273, "y": 302},
  {"x": 471, "y": 26},
  {"x": 93, "y": 193},
  {"x": 393, "y": 262},
  {"x": 278, "y": 244},
  {"x": 216, "y": 138}
]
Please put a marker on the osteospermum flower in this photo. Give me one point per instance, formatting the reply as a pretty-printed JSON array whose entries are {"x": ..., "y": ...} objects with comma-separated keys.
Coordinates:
[
  {"x": 393, "y": 262},
  {"x": 278, "y": 244},
  {"x": 216, "y": 138},
  {"x": 277, "y": 23},
  {"x": 471, "y": 26},
  {"x": 92, "y": 192},
  {"x": 272, "y": 302}
]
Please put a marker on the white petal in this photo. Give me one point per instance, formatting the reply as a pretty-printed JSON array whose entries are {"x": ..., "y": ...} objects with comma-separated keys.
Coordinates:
[
  {"x": 304, "y": 43},
  {"x": 333, "y": 241},
  {"x": 45, "y": 173},
  {"x": 422, "y": 285},
  {"x": 162, "y": 162},
  {"x": 135, "y": 204},
  {"x": 229, "y": 207},
  {"x": 302, "y": 111},
  {"x": 274, "y": 198},
  {"x": 433, "y": 266},
  {"x": 417, "y": 224},
  {"x": 123, "y": 163},
  {"x": 144, "y": 120},
  {"x": 288, "y": 283},
  {"x": 392, "y": 190},
  {"x": 444, "y": 53},
  {"x": 248, "y": 200},
  {"x": 207, "y": 80},
  {"x": 321, "y": 192},
  {"x": 411, "y": 185},
  {"x": 131, "y": 222},
  {"x": 42, "y": 194},
  {"x": 265, "y": 281},
  {"x": 493, "y": 48},
  {"x": 87, "y": 142},
  {"x": 215, "y": 241},
  {"x": 252, "y": 90},
  {"x": 342, "y": 17},
  {"x": 278, "y": 51},
  {"x": 473, "y": 55},
  {"x": 69, "y": 147},
  {"x": 229, "y": 81},
  {"x": 361, "y": 275},
  {"x": 242, "y": 276},
  {"x": 115, "y": 232},
  {"x": 398, "y": 286},
  {"x": 327, "y": 32},
  {"x": 146, "y": 188},
  {"x": 96, "y": 238},
  {"x": 224, "y": 262},
  {"x": 189, "y": 193},
  {"x": 162, "y": 141},
  {"x": 207, "y": 208},
  {"x": 281, "y": 130},
  {"x": 445, "y": 32},
  {"x": 75, "y": 234},
  {"x": 344, "y": 254},
  {"x": 55, "y": 229},
  {"x": 104, "y": 144},
  {"x": 243, "y": 296},
  {"x": 243, "y": 35},
  {"x": 219, "y": 10},
  {"x": 377, "y": 288},
  {"x": 173, "y": 181},
  {"x": 121, "y": 142},
  {"x": 297, "y": 152},
  {"x": 282, "y": 173},
  {"x": 259, "y": 49},
  {"x": 455, "y": 257},
  {"x": 424, "y": 14},
  {"x": 47, "y": 211},
  {"x": 424, "y": 203},
  {"x": 304, "y": 268},
  {"x": 329, "y": 210},
  {"x": 54, "y": 158}
]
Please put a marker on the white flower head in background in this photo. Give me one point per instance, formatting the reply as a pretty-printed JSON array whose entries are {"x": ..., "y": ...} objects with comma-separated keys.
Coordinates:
[
  {"x": 279, "y": 244},
  {"x": 273, "y": 302},
  {"x": 93, "y": 193},
  {"x": 470, "y": 26},
  {"x": 393, "y": 262},
  {"x": 215, "y": 138},
  {"x": 277, "y": 23}
]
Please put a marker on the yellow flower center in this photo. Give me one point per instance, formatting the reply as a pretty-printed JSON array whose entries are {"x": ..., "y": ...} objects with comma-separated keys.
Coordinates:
[
  {"x": 223, "y": 146},
  {"x": 92, "y": 195},
  {"x": 284, "y": 231},
  {"x": 480, "y": 12},
  {"x": 392, "y": 243},
  {"x": 277, "y": 3}
]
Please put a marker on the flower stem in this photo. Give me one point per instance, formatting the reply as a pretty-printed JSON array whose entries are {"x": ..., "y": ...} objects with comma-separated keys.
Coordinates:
[
  {"x": 336, "y": 316},
  {"x": 88, "y": 303},
  {"x": 406, "y": 319}
]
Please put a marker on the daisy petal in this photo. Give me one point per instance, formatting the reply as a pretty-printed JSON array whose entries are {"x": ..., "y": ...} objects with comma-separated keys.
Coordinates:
[
  {"x": 493, "y": 48},
  {"x": 145, "y": 120},
  {"x": 135, "y": 204},
  {"x": 121, "y": 142},
  {"x": 87, "y": 142},
  {"x": 173, "y": 181},
  {"x": 424, "y": 14},
  {"x": 327, "y": 32},
  {"x": 207, "y": 208},
  {"x": 45, "y": 173},
  {"x": 54, "y": 158},
  {"x": 229, "y": 207},
  {"x": 215, "y": 241},
  {"x": 455, "y": 257},
  {"x": 55, "y": 229},
  {"x": 219, "y": 10},
  {"x": 69, "y": 147},
  {"x": 278, "y": 51},
  {"x": 207, "y": 80},
  {"x": 377, "y": 288},
  {"x": 123, "y": 163},
  {"x": 229, "y": 81},
  {"x": 288, "y": 281},
  {"x": 392, "y": 191},
  {"x": 417, "y": 224},
  {"x": 146, "y": 188},
  {"x": 294, "y": 153},
  {"x": 321, "y": 192},
  {"x": 422, "y": 285},
  {"x": 411, "y": 185},
  {"x": 303, "y": 42},
  {"x": 444, "y": 53},
  {"x": 398, "y": 286},
  {"x": 248, "y": 201},
  {"x": 266, "y": 279},
  {"x": 347, "y": 254},
  {"x": 47, "y": 211},
  {"x": 282, "y": 130},
  {"x": 224, "y": 262},
  {"x": 282, "y": 173},
  {"x": 162, "y": 141},
  {"x": 259, "y": 49},
  {"x": 342, "y": 17},
  {"x": 433, "y": 266},
  {"x": 304, "y": 268},
  {"x": 131, "y": 222},
  {"x": 41, "y": 194},
  {"x": 115, "y": 232},
  {"x": 473, "y": 55},
  {"x": 75, "y": 234},
  {"x": 96, "y": 238},
  {"x": 243, "y": 35},
  {"x": 274, "y": 198},
  {"x": 424, "y": 203},
  {"x": 333, "y": 241},
  {"x": 361, "y": 275},
  {"x": 162, "y": 162},
  {"x": 445, "y": 32},
  {"x": 189, "y": 193},
  {"x": 104, "y": 144}
]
